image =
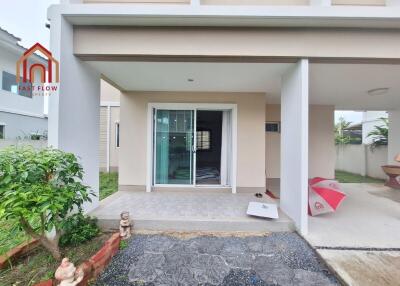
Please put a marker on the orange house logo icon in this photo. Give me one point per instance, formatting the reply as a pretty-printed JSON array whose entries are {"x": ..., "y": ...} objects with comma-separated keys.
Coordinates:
[{"x": 49, "y": 73}]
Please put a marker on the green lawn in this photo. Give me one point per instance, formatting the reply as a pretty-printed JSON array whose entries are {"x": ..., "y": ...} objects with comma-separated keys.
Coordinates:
[
  {"x": 11, "y": 237},
  {"x": 108, "y": 184},
  {"x": 345, "y": 177}
]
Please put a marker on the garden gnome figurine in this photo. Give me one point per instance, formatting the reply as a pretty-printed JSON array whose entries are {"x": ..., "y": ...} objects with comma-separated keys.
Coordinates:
[
  {"x": 67, "y": 274},
  {"x": 125, "y": 226}
]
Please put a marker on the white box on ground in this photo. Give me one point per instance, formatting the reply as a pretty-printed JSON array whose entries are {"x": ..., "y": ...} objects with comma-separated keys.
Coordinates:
[{"x": 263, "y": 210}]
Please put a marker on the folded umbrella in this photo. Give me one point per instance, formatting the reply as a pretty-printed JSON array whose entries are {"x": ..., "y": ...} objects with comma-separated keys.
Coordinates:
[{"x": 324, "y": 196}]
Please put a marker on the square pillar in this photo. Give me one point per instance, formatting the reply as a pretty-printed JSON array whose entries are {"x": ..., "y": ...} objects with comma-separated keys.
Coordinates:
[
  {"x": 294, "y": 145},
  {"x": 74, "y": 112},
  {"x": 394, "y": 136}
]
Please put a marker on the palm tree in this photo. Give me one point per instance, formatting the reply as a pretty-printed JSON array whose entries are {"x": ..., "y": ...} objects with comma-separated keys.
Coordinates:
[{"x": 380, "y": 134}]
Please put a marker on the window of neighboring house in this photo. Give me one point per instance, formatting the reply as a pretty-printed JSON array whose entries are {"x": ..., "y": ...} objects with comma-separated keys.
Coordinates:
[
  {"x": 2, "y": 131},
  {"x": 9, "y": 83},
  {"x": 117, "y": 134},
  {"x": 203, "y": 140}
]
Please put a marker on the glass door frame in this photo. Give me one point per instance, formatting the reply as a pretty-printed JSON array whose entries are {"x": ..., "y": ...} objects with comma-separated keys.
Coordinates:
[
  {"x": 192, "y": 149},
  {"x": 150, "y": 154}
]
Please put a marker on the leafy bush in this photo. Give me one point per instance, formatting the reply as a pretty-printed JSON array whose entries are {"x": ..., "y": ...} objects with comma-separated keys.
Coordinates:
[
  {"x": 78, "y": 229},
  {"x": 380, "y": 134},
  {"x": 123, "y": 244},
  {"x": 39, "y": 189}
]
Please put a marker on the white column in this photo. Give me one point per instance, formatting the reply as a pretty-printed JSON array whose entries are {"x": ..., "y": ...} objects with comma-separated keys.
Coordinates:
[
  {"x": 394, "y": 136},
  {"x": 74, "y": 112},
  {"x": 294, "y": 145}
]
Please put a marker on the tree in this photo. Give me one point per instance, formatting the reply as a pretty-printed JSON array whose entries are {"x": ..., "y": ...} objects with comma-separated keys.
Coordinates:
[
  {"x": 380, "y": 134},
  {"x": 340, "y": 137},
  {"x": 39, "y": 189}
]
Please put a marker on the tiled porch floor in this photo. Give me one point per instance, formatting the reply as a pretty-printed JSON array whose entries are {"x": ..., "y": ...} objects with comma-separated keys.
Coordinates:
[{"x": 188, "y": 211}]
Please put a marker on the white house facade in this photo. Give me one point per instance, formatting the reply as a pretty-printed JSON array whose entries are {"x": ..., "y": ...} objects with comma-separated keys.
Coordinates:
[
  {"x": 21, "y": 114},
  {"x": 222, "y": 95}
]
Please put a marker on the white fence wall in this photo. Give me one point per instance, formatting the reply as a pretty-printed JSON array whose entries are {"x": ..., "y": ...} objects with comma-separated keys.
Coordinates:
[
  {"x": 360, "y": 159},
  {"x": 35, "y": 143}
]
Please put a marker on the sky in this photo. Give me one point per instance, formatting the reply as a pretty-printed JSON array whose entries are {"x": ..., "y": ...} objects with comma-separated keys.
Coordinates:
[
  {"x": 26, "y": 19},
  {"x": 350, "y": 116}
]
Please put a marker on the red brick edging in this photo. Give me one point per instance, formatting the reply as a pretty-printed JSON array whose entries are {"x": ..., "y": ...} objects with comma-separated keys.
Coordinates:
[
  {"x": 94, "y": 265},
  {"x": 17, "y": 252}
]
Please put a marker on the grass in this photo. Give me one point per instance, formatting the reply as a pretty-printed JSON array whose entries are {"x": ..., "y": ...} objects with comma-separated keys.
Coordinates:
[
  {"x": 108, "y": 184},
  {"x": 10, "y": 236},
  {"x": 346, "y": 177},
  {"x": 39, "y": 265}
]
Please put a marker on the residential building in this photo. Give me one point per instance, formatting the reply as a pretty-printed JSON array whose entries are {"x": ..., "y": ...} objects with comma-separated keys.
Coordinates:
[
  {"x": 198, "y": 81},
  {"x": 109, "y": 127},
  {"x": 22, "y": 115}
]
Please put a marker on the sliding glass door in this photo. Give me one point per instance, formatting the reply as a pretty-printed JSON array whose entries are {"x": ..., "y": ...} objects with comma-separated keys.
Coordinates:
[{"x": 174, "y": 147}]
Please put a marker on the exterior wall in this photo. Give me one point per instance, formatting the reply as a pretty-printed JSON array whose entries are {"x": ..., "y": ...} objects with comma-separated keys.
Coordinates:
[
  {"x": 321, "y": 142},
  {"x": 110, "y": 98},
  {"x": 108, "y": 92},
  {"x": 103, "y": 138},
  {"x": 255, "y": 2},
  {"x": 114, "y": 118},
  {"x": 139, "y": 1},
  {"x": 360, "y": 159},
  {"x": 359, "y": 2},
  {"x": 21, "y": 115},
  {"x": 283, "y": 43},
  {"x": 244, "y": 2},
  {"x": 394, "y": 138},
  {"x": 21, "y": 126},
  {"x": 250, "y": 128}
]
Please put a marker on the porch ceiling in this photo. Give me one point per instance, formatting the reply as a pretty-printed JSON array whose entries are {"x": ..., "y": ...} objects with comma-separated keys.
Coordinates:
[{"x": 345, "y": 86}]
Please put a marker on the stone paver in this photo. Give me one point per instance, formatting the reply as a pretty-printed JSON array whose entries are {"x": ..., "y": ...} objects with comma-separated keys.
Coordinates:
[
  {"x": 276, "y": 259},
  {"x": 365, "y": 268}
]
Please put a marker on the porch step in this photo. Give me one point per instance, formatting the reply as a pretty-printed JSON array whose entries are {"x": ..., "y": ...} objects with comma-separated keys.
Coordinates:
[
  {"x": 187, "y": 211},
  {"x": 255, "y": 225}
]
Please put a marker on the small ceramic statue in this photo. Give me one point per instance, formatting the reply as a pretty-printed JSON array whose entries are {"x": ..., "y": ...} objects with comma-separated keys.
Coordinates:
[
  {"x": 67, "y": 273},
  {"x": 125, "y": 226}
]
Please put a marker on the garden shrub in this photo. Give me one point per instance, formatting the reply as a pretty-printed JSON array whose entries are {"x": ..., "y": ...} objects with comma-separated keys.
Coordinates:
[
  {"x": 39, "y": 189},
  {"x": 78, "y": 229}
]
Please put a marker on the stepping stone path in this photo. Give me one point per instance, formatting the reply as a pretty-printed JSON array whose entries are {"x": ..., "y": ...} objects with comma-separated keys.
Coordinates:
[{"x": 276, "y": 259}]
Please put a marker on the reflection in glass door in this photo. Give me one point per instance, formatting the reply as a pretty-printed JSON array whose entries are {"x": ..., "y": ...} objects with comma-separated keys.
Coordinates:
[{"x": 173, "y": 146}]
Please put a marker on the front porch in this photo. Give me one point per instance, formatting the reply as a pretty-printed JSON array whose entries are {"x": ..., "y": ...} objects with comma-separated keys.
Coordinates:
[{"x": 174, "y": 210}]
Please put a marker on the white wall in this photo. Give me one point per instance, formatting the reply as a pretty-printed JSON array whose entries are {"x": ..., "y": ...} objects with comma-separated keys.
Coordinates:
[
  {"x": 294, "y": 145},
  {"x": 394, "y": 136},
  {"x": 360, "y": 159},
  {"x": 11, "y": 101},
  {"x": 322, "y": 154},
  {"x": 74, "y": 113}
]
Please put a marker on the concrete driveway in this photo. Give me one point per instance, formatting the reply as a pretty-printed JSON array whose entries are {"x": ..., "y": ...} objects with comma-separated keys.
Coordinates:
[
  {"x": 361, "y": 241},
  {"x": 276, "y": 259}
]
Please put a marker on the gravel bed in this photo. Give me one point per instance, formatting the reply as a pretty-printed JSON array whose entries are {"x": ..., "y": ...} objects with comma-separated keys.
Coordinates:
[{"x": 276, "y": 259}]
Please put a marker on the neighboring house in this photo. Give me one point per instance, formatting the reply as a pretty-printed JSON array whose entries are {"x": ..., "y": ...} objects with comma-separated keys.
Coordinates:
[
  {"x": 369, "y": 121},
  {"x": 21, "y": 114},
  {"x": 200, "y": 79},
  {"x": 109, "y": 127}
]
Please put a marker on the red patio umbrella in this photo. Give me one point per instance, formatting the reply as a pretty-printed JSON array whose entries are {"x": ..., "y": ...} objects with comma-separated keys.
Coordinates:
[{"x": 323, "y": 196}]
